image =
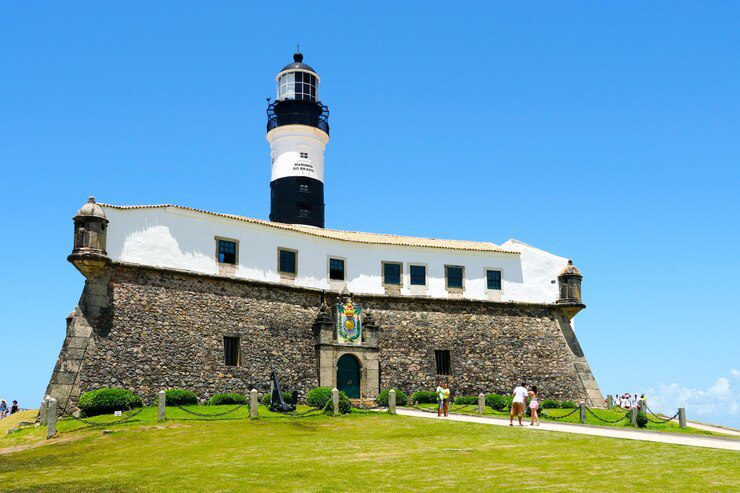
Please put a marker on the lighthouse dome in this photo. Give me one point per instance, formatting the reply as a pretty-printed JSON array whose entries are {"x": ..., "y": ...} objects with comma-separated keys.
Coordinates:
[{"x": 298, "y": 64}]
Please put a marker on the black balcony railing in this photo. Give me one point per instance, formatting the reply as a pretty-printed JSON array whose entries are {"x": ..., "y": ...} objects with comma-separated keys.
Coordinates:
[{"x": 297, "y": 112}]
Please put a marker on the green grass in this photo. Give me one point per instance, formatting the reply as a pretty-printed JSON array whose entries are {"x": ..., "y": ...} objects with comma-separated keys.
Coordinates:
[
  {"x": 360, "y": 452},
  {"x": 609, "y": 415}
]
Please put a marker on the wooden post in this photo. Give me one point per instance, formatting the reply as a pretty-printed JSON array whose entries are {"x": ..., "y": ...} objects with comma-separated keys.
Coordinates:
[
  {"x": 481, "y": 403},
  {"x": 682, "y": 417},
  {"x": 253, "y": 403},
  {"x": 609, "y": 402},
  {"x": 633, "y": 416},
  {"x": 161, "y": 401},
  {"x": 582, "y": 405},
  {"x": 335, "y": 400},
  {"x": 51, "y": 427},
  {"x": 392, "y": 401}
]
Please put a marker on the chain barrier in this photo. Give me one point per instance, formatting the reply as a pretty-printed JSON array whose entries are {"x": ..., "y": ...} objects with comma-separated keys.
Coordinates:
[
  {"x": 659, "y": 420},
  {"x": 195, "y": 413},
  {"x": 94, "y": 424},
  {"x": 624, "y": 417},
  {"x": 563, "y": 416}
]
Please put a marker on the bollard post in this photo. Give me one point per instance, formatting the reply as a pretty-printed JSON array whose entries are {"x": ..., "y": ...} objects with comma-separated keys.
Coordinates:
[
  {"x": 392, "y": 401},
  {"x": 161, "y": 401},
  {"x": 682, "y": 417},
  {"x": 481, "y": 403},
  {"x": 633, "y": 416},
  {"x": 253, "y": 403},
  {"x": 582, "y": 405},
  {"x": 44, "y": 411},
  {"x": 51, "y": 427},
  {"x": 609, "y": 402},
  {"x": 641, "y": 406},
  {"x": 335, "y": 400}
]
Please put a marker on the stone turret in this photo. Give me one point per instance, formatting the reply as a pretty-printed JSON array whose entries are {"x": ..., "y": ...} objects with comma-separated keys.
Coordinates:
[
  {"x": 91, "y": 229},
  {"x": 569, "y": 281}
]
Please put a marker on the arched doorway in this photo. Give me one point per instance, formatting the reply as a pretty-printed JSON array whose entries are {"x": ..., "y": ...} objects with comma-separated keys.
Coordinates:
[{"x": 348, "y": 376}]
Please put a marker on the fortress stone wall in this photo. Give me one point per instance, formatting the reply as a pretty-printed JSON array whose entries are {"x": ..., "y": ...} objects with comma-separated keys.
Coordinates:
[{"x": 148, "y": 329}]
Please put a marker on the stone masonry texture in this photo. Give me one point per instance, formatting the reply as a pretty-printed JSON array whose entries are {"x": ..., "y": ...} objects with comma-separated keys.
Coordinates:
[{"x": 164, "y": 329}]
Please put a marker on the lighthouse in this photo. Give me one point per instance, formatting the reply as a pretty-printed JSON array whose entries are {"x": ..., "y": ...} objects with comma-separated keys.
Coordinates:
[{"x": 298, "y": 131}]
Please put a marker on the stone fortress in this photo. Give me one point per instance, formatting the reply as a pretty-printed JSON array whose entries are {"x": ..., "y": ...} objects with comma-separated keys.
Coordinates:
[{"x": 177, "y": 297}]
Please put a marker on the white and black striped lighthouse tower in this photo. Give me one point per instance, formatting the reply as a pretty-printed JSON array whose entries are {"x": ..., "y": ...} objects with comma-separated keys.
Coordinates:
[{"x": 298, "y": 131}]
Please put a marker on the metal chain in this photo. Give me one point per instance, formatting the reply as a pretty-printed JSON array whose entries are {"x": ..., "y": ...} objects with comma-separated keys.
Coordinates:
[
  {"x": 195, "y": 413},
  {"x": 93, "y": 424},
  {"x": 564, "y": 416},
  {"x": 606, "y": 420},
  {"x": 659, "y": 420}
]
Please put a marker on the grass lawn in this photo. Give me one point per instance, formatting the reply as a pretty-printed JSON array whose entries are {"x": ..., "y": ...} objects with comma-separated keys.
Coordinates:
[
  {"x": 359, "y": 452},
  {"x": 608, "y": 415}
]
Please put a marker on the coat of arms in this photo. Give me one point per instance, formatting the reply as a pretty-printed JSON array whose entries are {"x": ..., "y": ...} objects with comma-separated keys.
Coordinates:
[{"x": 349, "y": 322}]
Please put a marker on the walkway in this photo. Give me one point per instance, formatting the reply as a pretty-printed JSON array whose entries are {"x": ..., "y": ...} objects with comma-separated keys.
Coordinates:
[{"x": 604, "y": 431}]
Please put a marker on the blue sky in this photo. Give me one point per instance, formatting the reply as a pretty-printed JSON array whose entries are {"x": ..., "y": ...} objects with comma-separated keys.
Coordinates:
[{"x": 604, "y": 133}]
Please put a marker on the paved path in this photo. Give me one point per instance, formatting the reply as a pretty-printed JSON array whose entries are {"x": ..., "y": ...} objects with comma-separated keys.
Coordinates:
[{"x": 604, "y": 431}]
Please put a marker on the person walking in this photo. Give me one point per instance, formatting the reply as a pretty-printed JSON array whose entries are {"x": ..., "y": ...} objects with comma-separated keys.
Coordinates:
[
  {"x": 440, "y": 399},
  {"x": 534, "y": 405},
  {"x": 3, "y": 408},
  {"x": 517, "y": 405},
  {"x": 446, "y": 398}
]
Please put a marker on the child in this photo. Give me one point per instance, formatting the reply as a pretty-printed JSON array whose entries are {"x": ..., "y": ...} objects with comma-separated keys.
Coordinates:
[{"x": 534, "y": 405}]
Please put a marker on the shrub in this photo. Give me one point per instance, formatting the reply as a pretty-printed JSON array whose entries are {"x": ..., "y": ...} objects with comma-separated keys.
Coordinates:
[
  {"x": 642, "y": 419},
  {"x": 424, "y": 397},
  {"x": 568, "y": 405},
  {"x": 496, "y": 401},
  {"x": 466, "y": 400},
  {"x": 345, "y": 405},
  {"x": 509, "y": 399},
  {"x": 106, "y": 400},
  {"x": 550, "y": 404},
  {"x": 267, "y": 398},
  {"x": 401, "y": 398},
  {"x": 180, "y": 397},
  {"x": 220, "y": 399},
  {"x": 318, "y": 397}
]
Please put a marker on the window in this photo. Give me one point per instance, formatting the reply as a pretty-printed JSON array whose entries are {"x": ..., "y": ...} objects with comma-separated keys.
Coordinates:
[
  {"x": 287, "y": 261},
  {"x": 304, "y": 213},
  {"x": 303, "y": 188},
  {"x": 336, "y": 269},
  {"x": 442, "y": 358},
  {"x": 231, "y": 351},
  {"x": 304, "y": 155},
  {"x": 418, "y": 274},
  {"x": 454, "y": 275},
  {"x": 226, "y": 252},
  {"x": 392, "y": 273},
  {"x": 493, "y": 279},
  {"x": 298, "y": 85}
]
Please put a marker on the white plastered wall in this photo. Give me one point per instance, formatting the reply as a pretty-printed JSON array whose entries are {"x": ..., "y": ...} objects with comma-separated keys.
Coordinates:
[{"x": 183, "y": 239}]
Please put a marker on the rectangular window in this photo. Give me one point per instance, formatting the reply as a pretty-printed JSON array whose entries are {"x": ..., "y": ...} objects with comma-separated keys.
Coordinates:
[
  {"x": 304, "y": 214},
  {"x": 418, "y": 274},
  {"x": 231, "y": 351},
  {"x": 442, "y": 358},
  {"x": 304, "y": 155},
  {"x": 336, "y": 269},
  {"x": 392, "y": 273},
  {"x": 303, "y": 187},
  {"x": 226, "y": 252},
  {"x": 287, "y": 261},
  {"x": 454, "y": 275},
  {"x": 493, "y": 279}
]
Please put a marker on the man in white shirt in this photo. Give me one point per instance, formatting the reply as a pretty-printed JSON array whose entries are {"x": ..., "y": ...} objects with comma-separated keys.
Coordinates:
[{"x": 517, "y": 406}]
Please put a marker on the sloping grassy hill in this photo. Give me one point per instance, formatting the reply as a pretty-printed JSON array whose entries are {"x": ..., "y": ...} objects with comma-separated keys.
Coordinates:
[{"x": 364, "y": 452}]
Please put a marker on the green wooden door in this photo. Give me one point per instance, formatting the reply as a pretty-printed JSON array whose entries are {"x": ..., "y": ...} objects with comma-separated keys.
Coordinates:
[{"x": 348, "y": 376}]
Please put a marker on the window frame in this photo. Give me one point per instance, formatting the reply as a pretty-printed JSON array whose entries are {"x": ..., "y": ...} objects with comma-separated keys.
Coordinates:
[
  {"x": 454, "y": 289},
  {"x": 383, "y": 263},
  {"x": 446, "y": 357},
  {"x": 501, "y": 279},
  {"x": 217, "y": 239},
  {"x": 283, "y": 273},
  {"x": 426, "y": 276},
  {"x": 238, "y": 350},
  {"x": 329, "y": 258}
]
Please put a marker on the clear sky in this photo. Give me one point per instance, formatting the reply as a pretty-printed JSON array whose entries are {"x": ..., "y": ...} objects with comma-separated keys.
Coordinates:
[{"x": 609, "y": 134}]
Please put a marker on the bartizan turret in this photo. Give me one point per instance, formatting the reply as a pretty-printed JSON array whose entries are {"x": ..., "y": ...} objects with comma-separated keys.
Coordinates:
[
  {"x": 91, "y": 229},
  {"x": 569, "y": 281}
]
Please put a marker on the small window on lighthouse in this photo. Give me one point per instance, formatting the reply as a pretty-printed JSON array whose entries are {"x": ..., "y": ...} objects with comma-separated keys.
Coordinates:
[
  {"x": 303, "y": 188},
  {"x": 304, "y": 155}
]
